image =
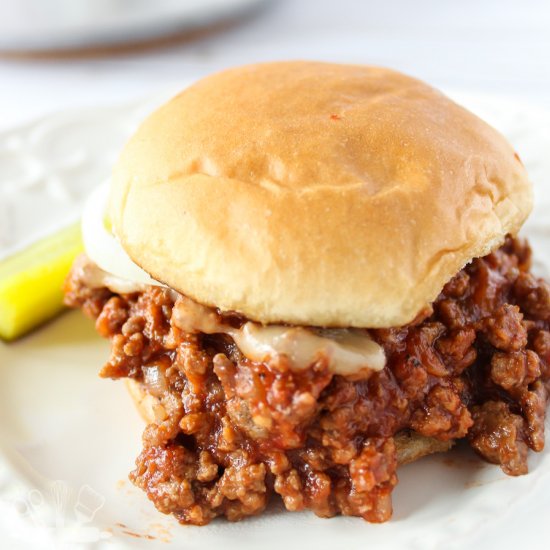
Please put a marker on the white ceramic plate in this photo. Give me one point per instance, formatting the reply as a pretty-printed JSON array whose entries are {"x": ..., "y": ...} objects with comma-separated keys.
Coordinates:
[
  {"x": 29, "y": 25},
  {"x": 68, "y": 439}
]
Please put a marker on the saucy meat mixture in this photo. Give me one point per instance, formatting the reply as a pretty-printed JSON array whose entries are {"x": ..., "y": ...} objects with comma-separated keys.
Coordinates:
[{"x": 230, "y": 432}]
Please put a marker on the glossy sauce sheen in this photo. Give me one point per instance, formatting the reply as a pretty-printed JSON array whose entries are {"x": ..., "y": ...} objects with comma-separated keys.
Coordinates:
[{"x": 230, "y": 432}]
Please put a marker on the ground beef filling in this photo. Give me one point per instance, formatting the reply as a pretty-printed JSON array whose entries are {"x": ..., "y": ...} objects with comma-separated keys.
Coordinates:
[{"x": 231, "y": 432}]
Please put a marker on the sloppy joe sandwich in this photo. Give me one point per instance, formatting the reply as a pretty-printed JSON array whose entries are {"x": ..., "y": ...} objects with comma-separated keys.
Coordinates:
[{"x": 310, "y": 274}]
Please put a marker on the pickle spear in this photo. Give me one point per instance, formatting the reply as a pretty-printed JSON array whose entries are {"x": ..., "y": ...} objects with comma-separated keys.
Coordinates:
[{"x": 31, "y": 282}]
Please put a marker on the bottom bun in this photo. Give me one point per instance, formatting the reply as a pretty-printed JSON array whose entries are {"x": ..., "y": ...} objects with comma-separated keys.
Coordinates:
[{"x": 410, "y": 445}]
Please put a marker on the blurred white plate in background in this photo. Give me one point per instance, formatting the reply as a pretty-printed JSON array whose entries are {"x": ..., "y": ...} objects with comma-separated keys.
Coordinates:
[{"x": 31, "y": 25}]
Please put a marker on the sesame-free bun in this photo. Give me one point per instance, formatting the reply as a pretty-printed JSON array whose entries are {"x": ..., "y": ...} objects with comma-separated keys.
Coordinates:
[{"x": 315, "y": 193}]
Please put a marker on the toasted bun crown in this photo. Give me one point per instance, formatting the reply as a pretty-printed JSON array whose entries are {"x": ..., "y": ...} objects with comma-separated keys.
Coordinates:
[{"x": 314, "y": 193}]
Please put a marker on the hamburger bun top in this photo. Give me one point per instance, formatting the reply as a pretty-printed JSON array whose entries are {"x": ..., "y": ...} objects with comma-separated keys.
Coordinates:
[{"x": 315, "y": 193}]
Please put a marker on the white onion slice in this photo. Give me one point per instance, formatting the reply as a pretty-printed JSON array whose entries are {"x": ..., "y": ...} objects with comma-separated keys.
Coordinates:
[{"x": 101, "y": 245}]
